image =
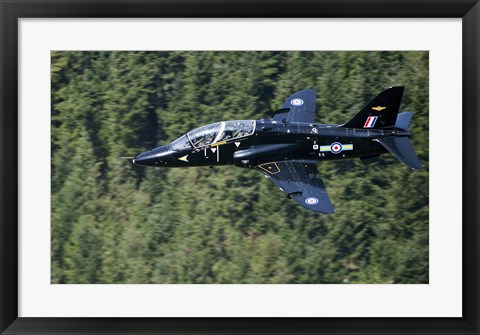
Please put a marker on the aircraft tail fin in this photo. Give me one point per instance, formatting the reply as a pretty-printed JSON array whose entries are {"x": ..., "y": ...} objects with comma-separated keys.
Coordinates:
[
  {"x": 402, "y": 149},
  {"x": 381, "y": 112}
]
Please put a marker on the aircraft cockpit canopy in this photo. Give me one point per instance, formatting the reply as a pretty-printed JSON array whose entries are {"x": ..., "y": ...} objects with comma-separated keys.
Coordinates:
[
  {"x": 213, "y": 133},
  {"x": 182, "y": 143}
]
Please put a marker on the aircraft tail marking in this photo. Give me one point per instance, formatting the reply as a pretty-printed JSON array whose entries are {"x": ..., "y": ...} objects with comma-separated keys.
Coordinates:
[{"x": 381, "y": 112}]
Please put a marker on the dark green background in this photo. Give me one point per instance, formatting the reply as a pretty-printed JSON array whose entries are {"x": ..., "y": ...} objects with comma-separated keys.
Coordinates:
[{"x": 113, "y": 222}]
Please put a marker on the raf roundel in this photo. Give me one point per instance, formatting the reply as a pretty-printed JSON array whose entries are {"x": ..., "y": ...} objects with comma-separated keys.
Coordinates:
[
  {"x": 336, "y": 148},
  {"x": 311, "y": 201},
  {"x": 296, "y": 102}
]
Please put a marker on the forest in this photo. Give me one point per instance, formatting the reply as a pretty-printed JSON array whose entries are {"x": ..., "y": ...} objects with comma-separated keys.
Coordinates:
[{"x": 115, "y": 222}]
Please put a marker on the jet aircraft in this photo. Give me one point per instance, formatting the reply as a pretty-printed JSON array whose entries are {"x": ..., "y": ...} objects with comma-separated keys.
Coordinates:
[{"x": 287, "y": 147}]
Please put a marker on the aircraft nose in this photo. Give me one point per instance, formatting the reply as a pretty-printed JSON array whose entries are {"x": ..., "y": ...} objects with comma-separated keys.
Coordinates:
[{"x": 155, "y": 157}]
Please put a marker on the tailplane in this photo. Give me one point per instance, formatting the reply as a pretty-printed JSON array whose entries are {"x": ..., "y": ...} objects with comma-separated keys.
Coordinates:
[
  {"x": 402, "y": 148},
  {"x": 381, "y": 112}
]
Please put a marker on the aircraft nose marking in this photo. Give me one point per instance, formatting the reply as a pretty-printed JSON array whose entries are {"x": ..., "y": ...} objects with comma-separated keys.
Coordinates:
[{"x": 184, "y": 158}]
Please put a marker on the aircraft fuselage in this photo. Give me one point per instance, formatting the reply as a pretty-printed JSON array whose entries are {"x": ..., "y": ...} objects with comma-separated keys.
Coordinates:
[{"x": 276, "y": 141}]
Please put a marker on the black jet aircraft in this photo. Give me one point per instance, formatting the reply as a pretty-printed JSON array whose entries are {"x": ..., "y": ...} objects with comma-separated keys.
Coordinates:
[{"x": 287, "y": 147}]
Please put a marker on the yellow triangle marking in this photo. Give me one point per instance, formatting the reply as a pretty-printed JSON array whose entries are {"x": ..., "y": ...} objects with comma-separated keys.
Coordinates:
[
  {"x": 184, "y": 158},
  {"x": 269, "y": 166}
]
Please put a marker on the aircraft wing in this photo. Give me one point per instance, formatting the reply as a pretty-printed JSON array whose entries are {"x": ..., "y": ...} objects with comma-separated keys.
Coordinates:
[
  {"x": 299, "y": 107},
  {"x": 301, "y": 182}
]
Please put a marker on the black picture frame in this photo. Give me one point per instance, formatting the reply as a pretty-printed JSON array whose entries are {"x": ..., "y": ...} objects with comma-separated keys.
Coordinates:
[{"x": 11, "y": 11}]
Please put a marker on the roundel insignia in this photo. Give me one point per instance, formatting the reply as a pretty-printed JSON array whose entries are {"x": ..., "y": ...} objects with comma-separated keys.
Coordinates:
[
  {"x": 296, "y": 102},
  {"x": 311, "y": 201},
  {"x": 336, "y": 148}
]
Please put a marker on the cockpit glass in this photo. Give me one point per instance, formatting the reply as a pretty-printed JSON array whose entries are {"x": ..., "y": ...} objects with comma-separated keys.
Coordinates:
[
  {"x": 236, "y": 129},
  {"x": 221, "y": 131},
  {"x": 205, "y": 135},
  {"x": 181, "y": 143}
]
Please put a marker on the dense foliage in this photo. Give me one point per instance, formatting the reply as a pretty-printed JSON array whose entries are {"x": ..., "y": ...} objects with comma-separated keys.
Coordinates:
[{"x": 113, "y": 222}]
